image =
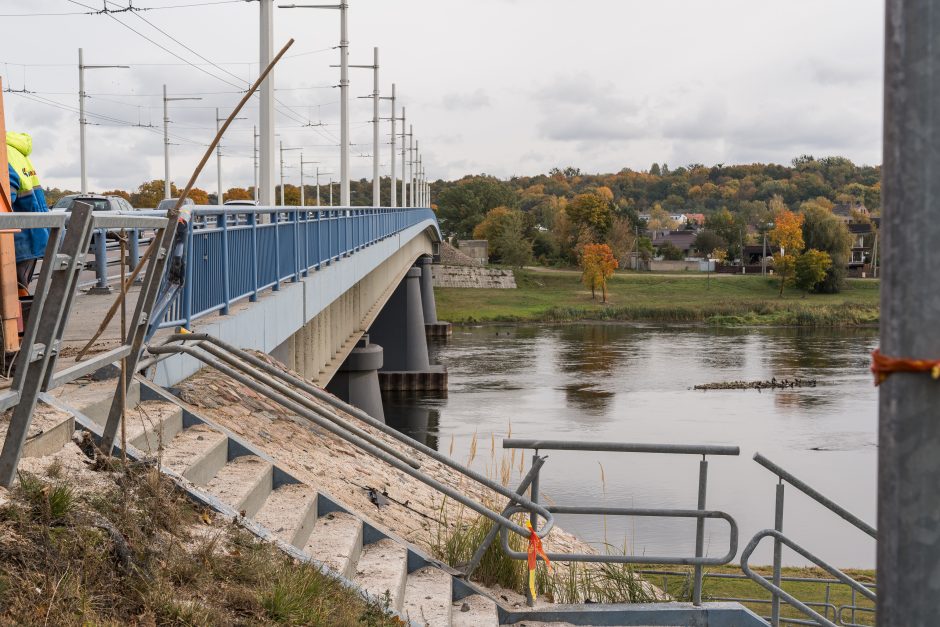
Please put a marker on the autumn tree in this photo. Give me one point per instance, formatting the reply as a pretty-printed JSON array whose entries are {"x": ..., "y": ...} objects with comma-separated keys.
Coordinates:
[
  {"x": 621, "y": 238},
  {"x": 787, "y": 235},
  {"x": 198, "y": 196},
  {"x": 237, "y": 193},
  {"x": 810, "y": 269},
  {"x": 825, "y": 232},
  {"x": 660, "y": 220},
  {"x": 591, "y": 211},
  {"x": 464, "y": 205},
  {"x": 118, "y": 192},
  {"x": 597, "y": 265},
  {"x": 149, "y": 194}
]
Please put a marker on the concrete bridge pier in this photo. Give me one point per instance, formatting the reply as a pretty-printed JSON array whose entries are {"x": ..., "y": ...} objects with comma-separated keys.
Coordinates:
[
  {"x": 357, "y": 380},
  {"x": 433, "y": 327},
  {"x": 400, "y": 330}
]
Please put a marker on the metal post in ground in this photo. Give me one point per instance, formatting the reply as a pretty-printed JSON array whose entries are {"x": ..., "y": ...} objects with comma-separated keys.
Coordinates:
[
  {"x": 700, "y": 530},
  {"x": 266, "y": 106},
  {"x": 533, "y": 517},
  {"x": 909, "y": 428},
  {"x": 100, "y": 241},
  {"x": 778, "y": 526}
]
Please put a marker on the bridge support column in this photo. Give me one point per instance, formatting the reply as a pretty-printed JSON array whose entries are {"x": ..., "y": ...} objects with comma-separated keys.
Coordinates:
[
  {"x": 433, "y": 327},
  {"x": 357, "y": 381},
  {"x": 399, "y": 329}
]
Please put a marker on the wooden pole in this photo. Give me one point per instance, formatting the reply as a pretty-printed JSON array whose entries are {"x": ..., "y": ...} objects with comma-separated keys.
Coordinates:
[{"x": 10, "y": 313}]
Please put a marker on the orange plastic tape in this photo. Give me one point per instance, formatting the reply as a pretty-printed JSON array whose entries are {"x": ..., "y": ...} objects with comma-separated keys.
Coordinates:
[{"x": 883, "y": 366}]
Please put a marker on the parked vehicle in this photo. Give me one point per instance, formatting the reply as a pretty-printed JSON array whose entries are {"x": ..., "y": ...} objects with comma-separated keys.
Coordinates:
[
  {"x": 97, "y": 202},
  {"x": 168, "y": 203}
]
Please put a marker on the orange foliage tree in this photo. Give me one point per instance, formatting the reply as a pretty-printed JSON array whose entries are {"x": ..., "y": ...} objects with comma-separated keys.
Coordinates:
[
  {"x": 597, "y": 265},
  {"x": 787, "y": 234}
]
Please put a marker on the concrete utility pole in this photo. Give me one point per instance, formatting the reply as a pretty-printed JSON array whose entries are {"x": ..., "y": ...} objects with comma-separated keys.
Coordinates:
[
  {"x": 331, "y": 191},
  {"x": 344, "y": 92},
  {"x": 394, "y": 184},
  {"x": 411, "y": 162},
  {"x": 266, "y": 108},
  {"x": 909, "y": 424},
  {"x": 376, "y": 191},
  {"x": 283, "y": 150},
  {"x": 166, "y": 141},
  {"x": 302, "y": 163},
  {"x": 404, "y": 160},
  {"x": 218, "y": 157},
  {"x": 414, "y": 175},
  {"x": 82, "y": 122}
]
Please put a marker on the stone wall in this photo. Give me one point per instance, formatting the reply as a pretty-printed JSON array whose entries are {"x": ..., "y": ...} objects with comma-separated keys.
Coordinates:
[{"x": 464, "y": 276}]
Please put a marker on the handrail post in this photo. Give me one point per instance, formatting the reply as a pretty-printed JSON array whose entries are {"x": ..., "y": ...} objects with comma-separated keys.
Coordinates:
[
  {"x": 226, "y": 290},
  {"x": 296, "y": 229},
  {"x": 253, "y": 223},
  {"x": 101, "y": 263},
  {"x": 700, "y": 530},
  {"x": 188, "y": 285},
  {"x": 133, "y": 247},
  {"x": 533, "y": 516},
  {"x": 778, "y": 525},
  {"x": 275, "y": 224}
]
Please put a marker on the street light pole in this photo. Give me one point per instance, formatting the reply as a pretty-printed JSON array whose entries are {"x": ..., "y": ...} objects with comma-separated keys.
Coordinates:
[
  {"x": 82, "y": 122},
  {"x": 376, "y": 192},
  {"x": 411, "y": 162},
  {"x": 166, "y": 141},
  {"x": 302, "y": 197},
  {"x": 283, "y": 150},
  {"x": 404, "y": 184},
  {"x": 254, "y": 154},
  {"x": 394, "y": 183},
  {"x": 218, "y": 157}
]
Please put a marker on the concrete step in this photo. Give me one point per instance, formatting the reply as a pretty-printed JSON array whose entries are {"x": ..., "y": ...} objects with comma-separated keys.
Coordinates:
[
  {"x": 337, "y": 542},
  {"x": 197, "y": 453},
  {"x": 427, "y": 597},
  {"x": 244, "y": 483},
  {"x": 152, "y": 425},
  {"x": 98, "y": 406},
  {"x": 49, "y": 430},
  {"x": 382, "y": 569},
  {"x": 473, "y": 611},
  {"x": 290, "y": 512}
]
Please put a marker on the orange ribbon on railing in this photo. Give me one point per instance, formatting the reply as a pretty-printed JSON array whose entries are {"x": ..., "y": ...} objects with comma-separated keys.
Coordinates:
[
  {"x": 535, "y": 550},
  {"x": 882, "y": 366}
]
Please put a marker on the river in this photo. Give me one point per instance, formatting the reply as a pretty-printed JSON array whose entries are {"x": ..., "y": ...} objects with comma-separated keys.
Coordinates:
[{"x": 632, "y": 383}]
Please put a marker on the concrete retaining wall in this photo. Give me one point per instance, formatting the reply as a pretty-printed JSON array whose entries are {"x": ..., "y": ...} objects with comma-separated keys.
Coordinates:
[
  {"x": 463, "y": 276},
  {"x": 676, "y": 266}
]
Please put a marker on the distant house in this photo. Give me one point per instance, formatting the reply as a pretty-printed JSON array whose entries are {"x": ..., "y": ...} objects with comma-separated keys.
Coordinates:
[
  {"x": 683, "y": 240},
  {"x": 695, "y": 218},
  {"x": 846, "y": 211},
  {"x": 863, "y": 239}
]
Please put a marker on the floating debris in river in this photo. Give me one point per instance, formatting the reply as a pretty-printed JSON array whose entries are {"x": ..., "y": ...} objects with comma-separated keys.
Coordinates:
[{"x": 773, "y": 384}]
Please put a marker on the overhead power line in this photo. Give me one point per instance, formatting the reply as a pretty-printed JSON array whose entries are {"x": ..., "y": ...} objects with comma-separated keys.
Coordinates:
[{"x": 102, "y": 11}]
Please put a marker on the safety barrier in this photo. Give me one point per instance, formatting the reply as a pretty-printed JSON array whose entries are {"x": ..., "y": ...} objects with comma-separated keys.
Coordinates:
[
  {"x": 237, "y": 252},
  {"x": 700, "y": 514},
  {"x": 780, "y": 540}
]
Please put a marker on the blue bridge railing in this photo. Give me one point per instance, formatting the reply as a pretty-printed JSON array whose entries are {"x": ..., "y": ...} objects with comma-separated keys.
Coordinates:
[{"x": 237, "y": 252}]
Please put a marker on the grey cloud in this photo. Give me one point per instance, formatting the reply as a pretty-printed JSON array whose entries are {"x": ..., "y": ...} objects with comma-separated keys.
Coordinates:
[
  {"x": 577, "y": 108},
  {"x": 470, "y": 101}
]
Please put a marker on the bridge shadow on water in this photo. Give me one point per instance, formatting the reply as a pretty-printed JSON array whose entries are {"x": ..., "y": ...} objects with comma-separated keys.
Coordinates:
[{"x": 411, "y": 414}]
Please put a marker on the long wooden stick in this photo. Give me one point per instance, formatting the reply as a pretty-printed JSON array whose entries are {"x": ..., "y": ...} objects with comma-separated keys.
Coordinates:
[
  {"x": 10, "y": 310},
  {"x": 179, "y": 203}
]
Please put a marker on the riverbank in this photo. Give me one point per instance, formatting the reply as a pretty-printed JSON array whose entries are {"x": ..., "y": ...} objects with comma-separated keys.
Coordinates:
[{"x": 725, "y": 300}]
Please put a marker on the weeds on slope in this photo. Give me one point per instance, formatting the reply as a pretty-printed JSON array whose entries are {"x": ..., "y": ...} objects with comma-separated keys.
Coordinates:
[{"x": 140, "y": 553}]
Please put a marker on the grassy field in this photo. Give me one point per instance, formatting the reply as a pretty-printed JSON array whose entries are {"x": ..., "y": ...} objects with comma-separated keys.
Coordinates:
[
  {"x": 679, "y": 584},
  {"x": 558, "y": 295}
]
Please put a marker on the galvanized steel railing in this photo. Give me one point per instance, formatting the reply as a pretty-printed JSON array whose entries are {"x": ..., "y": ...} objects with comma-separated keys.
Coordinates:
[
  {"x": 700, "y": 514},
  {"x": 237, "y": 252},
  {"x": 780, "y": 540}
]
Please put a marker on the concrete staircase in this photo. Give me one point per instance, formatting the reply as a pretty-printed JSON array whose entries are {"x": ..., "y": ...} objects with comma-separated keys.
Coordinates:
[{"x": 228, "y": 474}]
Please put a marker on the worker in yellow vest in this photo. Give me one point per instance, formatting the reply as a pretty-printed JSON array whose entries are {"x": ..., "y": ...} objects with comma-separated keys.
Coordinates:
[{"x": 26, "y": 196}]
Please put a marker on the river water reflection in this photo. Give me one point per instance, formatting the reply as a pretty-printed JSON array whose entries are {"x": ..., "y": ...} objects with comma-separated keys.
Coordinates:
[{"x": 616, "y": 382}]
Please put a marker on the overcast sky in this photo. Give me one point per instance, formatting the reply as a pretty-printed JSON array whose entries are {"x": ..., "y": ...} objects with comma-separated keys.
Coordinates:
[{"x": 497, "y": 86}]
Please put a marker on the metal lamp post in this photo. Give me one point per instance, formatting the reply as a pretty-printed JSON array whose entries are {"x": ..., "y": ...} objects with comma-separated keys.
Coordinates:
[
  {"x": 166, "y": 139},
  {"x": 218, "y": 157},
  {"x": 344, "y": 91},
  {"x": 376, "y": 191},
  {"x": 394, "y": 183},
  {"x": 82, "y": 122},
  {"x": 303, "y": 202},
  {"x": 283, "y": 150}
]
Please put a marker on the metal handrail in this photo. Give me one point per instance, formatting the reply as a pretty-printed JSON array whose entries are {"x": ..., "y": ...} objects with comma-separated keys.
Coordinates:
[
  {"x": 634, "y": 559},
  {"x": 811, "y": 492},
  {"x": 786, "y": 596},
  {"x": 251, "y": 378},
  {"x": 621, "y": 447},
  {"x": 853, "y": 609}
]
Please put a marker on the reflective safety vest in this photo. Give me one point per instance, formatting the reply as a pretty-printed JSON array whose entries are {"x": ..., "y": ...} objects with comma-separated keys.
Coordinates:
[{"x": 26, "y": 195}]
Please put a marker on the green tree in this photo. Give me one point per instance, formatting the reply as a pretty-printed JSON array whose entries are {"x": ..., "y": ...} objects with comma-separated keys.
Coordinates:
[
  {"x": 462, "y": 206},
  {"x": 810, "y": 269},
  {"x": 707, "y": 242},
  {"x": 505, "y": 230},
  {"x": 671, "y": 252},
  {"x": 591, "y": 211},
  {"x": 825, "y": 232}
]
